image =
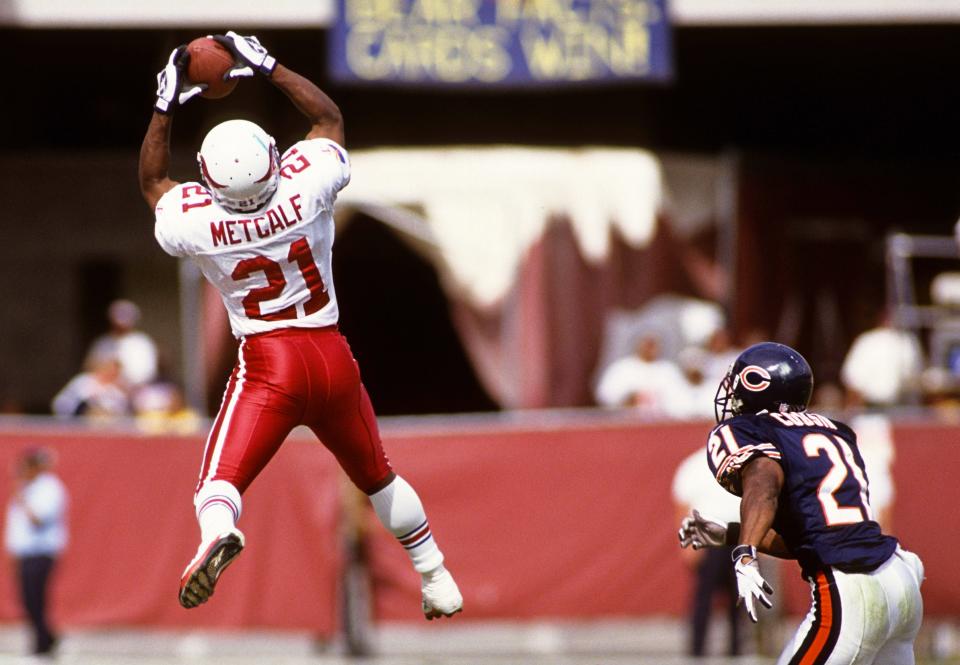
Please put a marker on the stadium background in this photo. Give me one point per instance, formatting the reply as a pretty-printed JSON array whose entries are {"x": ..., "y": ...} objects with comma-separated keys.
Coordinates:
[{"x": 844, "y": 128}]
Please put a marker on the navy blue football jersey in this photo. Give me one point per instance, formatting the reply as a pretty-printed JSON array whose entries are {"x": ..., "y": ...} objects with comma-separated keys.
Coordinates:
[{"x": 823, "y": 513}]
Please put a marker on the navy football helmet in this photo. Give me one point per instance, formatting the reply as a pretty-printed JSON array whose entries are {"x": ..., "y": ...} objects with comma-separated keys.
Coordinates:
[{"x": 766, "y": 377}]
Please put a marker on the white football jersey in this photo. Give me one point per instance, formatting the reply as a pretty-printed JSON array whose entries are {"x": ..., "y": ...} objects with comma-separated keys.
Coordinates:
[{"x": 272, "y": 266}]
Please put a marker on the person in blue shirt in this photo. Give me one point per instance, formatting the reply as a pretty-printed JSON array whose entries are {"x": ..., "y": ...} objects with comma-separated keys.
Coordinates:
[
  {"x": 805, "y": 496},
  {"x": 35, "y": 534}
]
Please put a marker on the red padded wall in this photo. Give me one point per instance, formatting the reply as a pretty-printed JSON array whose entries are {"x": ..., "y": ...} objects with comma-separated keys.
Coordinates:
[{"x": 561, "y": 519}]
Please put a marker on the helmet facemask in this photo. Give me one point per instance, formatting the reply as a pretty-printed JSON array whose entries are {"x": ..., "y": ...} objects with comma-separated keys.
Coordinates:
[{"x": 726, "y": 403}]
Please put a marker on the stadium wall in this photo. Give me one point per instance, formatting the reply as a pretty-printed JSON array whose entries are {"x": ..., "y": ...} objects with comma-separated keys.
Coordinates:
[{"x": 534, "y": 518}]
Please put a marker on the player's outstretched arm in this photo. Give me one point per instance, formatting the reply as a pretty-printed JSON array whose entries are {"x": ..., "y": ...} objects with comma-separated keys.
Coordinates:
[
  {"x": 321, "y": 111},
  {"x": 699, "y": 531},
  {"x": 155, "y": 160},
  {"x": 173, "y": 89},
  {"x": 250, "y": 55}
]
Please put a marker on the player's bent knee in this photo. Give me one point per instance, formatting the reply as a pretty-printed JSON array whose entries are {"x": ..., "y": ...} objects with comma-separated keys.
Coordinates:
[{"x": 373, "y": 488}]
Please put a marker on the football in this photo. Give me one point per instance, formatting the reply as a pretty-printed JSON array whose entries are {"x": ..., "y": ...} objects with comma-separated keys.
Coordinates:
[{"x": 209, "y": 61}]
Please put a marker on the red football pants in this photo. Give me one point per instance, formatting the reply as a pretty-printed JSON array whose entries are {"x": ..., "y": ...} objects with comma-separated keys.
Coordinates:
[{"x": 290, "y": 377}]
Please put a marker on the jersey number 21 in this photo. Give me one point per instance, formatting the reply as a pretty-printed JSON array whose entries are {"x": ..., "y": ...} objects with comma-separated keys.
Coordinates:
[{"x": 843, "y": 463}]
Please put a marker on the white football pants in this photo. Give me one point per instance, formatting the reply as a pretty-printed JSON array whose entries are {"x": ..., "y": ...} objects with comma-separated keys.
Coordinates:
[{"x": 861, "y": 618}]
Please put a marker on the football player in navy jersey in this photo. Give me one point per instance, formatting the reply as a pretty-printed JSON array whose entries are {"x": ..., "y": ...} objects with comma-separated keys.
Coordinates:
[{"x": 805, "y": 496}]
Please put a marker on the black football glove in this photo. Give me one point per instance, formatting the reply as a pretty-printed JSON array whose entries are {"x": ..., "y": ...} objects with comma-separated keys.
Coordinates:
[
  {"x": 173, "y": 88},
  {"x": 249, "y": 55}
]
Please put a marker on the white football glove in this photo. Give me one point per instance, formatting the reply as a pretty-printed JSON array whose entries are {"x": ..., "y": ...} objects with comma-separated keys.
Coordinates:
[
  {"x": 172, "y": 85},
  {"x": 699, "y": 531},
  {"x": 249, "y": 55},
  {"x": 751, "y": 586}
]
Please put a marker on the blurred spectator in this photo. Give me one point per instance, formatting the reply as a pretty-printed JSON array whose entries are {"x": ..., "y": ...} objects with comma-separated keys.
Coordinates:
[
  {"x": 678, "y": 322},
  {"x": 720, "y": 355},
  {"x": 135, "y": 350},
  {"x": 646, "y": 381},
  {"x": 35, "y": 535},
  {"x": 875, "y": 441},
  {"x": 882, "y": 367},
  {"x": 694, "y": 487},
  {"x": 714, "y": 360},
  {"x": 159, "y": 408},
  {"x": 98, "y": 391},
  {"x": 693, "y": 361}
]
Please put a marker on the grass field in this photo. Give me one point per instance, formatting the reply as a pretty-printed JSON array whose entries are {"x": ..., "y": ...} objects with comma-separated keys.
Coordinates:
[{"x": 650, "y": 642}]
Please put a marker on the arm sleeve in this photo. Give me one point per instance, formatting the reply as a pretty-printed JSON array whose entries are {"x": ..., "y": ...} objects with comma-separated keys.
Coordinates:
[
  {"x": 732, "y": 446},
  {"x": 324, "y": 163},
  {"x": 168, "y": 221},
  {"x": 67, "y": 402}
]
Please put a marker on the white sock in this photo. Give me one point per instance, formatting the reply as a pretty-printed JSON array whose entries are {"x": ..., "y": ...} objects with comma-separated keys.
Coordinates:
[
  {"x": 218, "y": 507},
  {"x": 401, "y": 512}
]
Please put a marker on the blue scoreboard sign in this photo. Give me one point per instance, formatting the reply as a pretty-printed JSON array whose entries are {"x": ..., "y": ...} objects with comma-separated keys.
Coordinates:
[{"x": 500, "y": 42}]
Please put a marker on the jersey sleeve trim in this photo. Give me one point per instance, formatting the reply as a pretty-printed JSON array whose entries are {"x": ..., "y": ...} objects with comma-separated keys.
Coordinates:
[
  {"x": 322, "y": 144},
  {"x": 728, "y": 473},
  {"x": 338, "y": 150}
]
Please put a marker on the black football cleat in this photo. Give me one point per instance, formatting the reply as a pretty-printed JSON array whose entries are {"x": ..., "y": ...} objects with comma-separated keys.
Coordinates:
[{"x": 200, "y": 577}]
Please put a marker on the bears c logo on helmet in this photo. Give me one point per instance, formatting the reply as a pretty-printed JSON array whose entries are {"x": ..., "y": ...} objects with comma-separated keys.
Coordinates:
[{"x": 752, "y": 385}]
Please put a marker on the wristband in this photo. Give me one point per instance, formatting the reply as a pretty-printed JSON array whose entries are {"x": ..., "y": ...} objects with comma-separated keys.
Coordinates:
[
  {"x": 268, "y": 65},
  {"x": 741, "y": 551},
  {"x": 733, "y": 534}
]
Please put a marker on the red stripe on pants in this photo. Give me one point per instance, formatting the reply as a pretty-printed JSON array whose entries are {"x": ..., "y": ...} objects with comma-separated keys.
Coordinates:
[
  {"x": 218, "y": 422},
  {"x": 825, "y": 623}
]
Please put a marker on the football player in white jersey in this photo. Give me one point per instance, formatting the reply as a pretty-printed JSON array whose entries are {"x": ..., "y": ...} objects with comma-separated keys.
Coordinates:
[{"x": 260, "y": 226}]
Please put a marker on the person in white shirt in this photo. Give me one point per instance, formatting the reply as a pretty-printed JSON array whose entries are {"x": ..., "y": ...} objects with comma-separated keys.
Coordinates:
[
  {"x": 35, "y": 535},
  {"x": 705, "y": 368},
  {"x": 645, "y": 381},
  {"x": 97, "y": 392},
  {"x": 882, "y": 366},
  {"x": 135, "y": 349}
]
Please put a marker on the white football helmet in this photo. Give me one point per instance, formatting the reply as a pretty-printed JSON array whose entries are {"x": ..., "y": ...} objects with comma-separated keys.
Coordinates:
[{"x": 240, "y": 165}]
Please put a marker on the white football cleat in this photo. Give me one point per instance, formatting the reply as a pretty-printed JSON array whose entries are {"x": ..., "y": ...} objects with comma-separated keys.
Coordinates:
[
  {"x": 441, "y": 597},
  {"x": 200, "y": 577}
]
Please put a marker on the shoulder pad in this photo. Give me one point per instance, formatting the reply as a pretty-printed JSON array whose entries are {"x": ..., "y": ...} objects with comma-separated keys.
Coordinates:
[
  {"x": 734, "y": 443},
  {"x": 184, "y": 199}
]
